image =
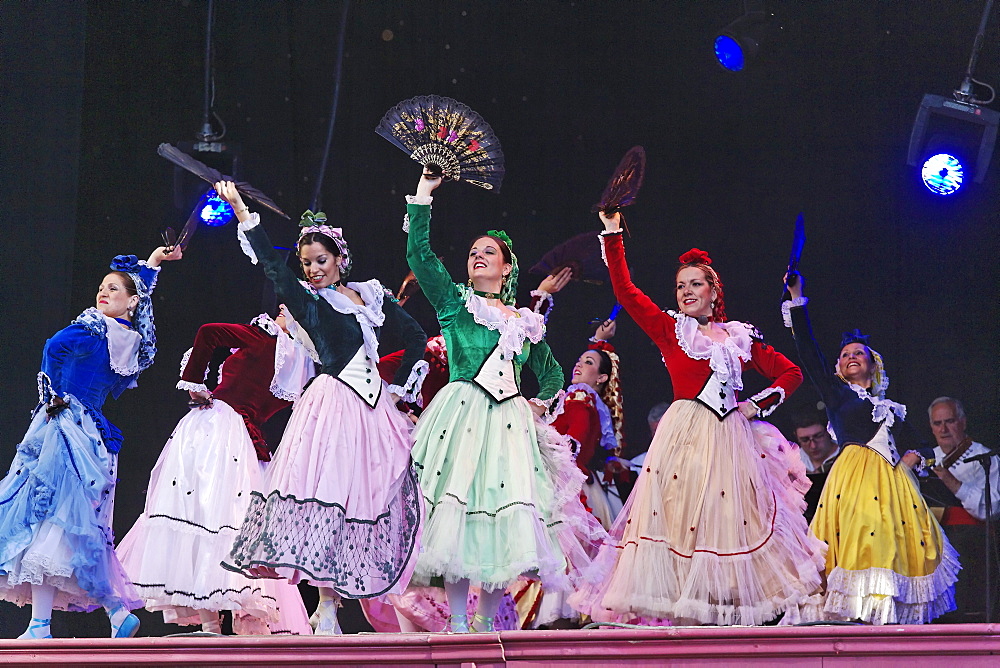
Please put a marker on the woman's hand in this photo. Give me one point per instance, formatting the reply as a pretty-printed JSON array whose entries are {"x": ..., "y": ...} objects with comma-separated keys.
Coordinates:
[
  {"x": 553, "y": 283},
  {"x": 227, "y": 191},
  {"x": 612, "y": 223},
  {"x": 200, "y": 398},
  {"x": 537, "y": 409},
  {"x": 162, "y": 254},
  {"x": 911, "y": 459},
  {"x": 428, "y": 183},
  {"x": 794, "y": 282},
  {"x": 606, "y": 330},
  {"x": 749, "y": 409}
]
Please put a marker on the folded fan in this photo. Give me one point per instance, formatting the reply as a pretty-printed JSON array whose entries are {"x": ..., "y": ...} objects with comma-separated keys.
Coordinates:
[
  {"x": 447, "y": 137},
  {"x": 203, "y": 171}
]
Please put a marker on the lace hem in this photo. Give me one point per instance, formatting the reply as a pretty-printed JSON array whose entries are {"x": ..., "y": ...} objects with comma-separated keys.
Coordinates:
[
  {"x": 191, "y": 387},
  {"x": 410, "y": 390},
  {"x": 359, "y": 558},
  {"x": 788, "y": 305},
  {"x": 882, "y": 596},
  {"x": 241, "y": 234}
]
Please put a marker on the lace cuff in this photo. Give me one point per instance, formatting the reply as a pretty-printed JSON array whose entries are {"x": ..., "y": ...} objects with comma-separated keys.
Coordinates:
[
  {"x": 768, "y": 399},
  {"x": 543, "y": 303},
  {"x": 920, "y": 468},
  {"x": 241, "y": 230},
  {"x": 788, "y": 305},
  {"x": 410, "y": 390},
  {"x": 191, "y": 387},
  {"x": 550, "y": 405},
  {"x": 415, "y": 199},
  {"x": 602, "y": 236}
]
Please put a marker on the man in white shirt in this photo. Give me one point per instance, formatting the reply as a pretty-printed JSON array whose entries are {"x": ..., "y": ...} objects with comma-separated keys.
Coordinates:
[{"x": 964, "y": 524}]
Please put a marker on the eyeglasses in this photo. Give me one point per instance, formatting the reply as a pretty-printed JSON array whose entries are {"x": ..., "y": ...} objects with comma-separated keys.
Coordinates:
[{"x": 815, "y": 438}]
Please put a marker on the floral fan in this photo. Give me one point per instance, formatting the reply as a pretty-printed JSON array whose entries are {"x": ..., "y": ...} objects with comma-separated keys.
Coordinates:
[
  {"x": 448, "y": 138},
  {"x": 624, "y": 185}
]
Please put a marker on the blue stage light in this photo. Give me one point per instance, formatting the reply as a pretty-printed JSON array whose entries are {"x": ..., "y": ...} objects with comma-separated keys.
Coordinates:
[
  {"x": 943, "y": 174},
  {"x": 730, "y": 53},
  {"x": 213, "y": 210}
]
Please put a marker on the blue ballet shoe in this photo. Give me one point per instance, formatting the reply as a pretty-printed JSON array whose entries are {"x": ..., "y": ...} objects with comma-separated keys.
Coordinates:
[
  {"x": 127, "y": 627},
  {"x": 37, "y": 629}
]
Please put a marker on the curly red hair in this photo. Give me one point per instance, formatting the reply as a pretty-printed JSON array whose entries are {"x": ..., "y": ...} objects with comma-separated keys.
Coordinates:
[{"x": 700, "y": 260}]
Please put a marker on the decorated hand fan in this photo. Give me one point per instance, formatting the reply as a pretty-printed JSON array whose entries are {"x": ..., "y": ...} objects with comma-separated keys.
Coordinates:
[
  {"x": 581, "y": 253},
  {"x": 203, "y": 171},
  {"x": 624, "y": 185},
  {"x": 448, "y": 138}
]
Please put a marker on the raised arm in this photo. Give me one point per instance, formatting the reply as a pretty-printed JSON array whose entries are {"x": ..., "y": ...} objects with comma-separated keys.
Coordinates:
[
  {"x": 643, "y": 310},
  {"x": 796, "y": 316},
  {"x": 431, "y": 274},
  {"x": 258, "y": 247}
]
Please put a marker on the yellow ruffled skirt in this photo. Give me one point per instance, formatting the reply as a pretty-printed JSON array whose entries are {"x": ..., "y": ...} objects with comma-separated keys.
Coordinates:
[{"x": 888, "y": 560}]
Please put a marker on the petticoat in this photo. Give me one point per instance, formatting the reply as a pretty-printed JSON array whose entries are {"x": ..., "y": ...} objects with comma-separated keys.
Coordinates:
[
  {"x": 56, "y": 507},
  {"x": 339, "y": 505},
  {"x": 502, "y": 494},
  {"x": 198, "y": 495},
  {"x": 713, "y": 531},
  {"x": 889, "y": 562}
]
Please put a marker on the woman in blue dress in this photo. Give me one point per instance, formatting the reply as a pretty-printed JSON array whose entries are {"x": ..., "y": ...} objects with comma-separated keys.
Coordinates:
[{"x": 56, "y": 502}]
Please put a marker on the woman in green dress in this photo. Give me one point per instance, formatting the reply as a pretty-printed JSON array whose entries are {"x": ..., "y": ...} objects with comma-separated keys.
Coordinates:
[{"x": 491, "y": 500}]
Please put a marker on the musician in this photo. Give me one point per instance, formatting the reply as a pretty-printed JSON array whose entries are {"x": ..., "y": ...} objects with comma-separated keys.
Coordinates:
[{"x": 964, "y": 501}]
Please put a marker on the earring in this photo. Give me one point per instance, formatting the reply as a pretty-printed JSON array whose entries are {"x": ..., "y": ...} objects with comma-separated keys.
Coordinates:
[{"x": 470, "y": 282}]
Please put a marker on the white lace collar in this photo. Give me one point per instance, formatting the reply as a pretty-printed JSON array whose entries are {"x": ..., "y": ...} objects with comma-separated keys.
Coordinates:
[
  {"x": 513, "y": 330},
  {"x": 369, "y": 315},
  {"x": 123, "y": 347},
  {"x": 883, "y": 410},
  {"x": 293, "y": 364},
  {"x": 725, "y": 358}
]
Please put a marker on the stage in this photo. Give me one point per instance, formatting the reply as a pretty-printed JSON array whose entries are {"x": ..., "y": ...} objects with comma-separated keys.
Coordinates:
[{"x": 965, "y": 645}]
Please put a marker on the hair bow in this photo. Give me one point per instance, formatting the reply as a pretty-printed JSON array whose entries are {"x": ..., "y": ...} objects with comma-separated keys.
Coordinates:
[
  {"x": 695, "y": 256},
  {"x": 854, "y": 336},
  {"x": 310, "y": 219},
  {"x": 126, "y": 263}
]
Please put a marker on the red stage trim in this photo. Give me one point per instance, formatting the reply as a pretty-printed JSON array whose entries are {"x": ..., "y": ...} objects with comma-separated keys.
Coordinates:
[{"x": 931, "y": 646}]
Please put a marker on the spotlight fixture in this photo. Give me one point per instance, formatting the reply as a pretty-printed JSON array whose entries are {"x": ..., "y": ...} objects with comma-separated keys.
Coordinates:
[
  {"x": 213, "y": 210},
  {"x": 738, "y": 44},
  {"x": 952, "y": 138}
]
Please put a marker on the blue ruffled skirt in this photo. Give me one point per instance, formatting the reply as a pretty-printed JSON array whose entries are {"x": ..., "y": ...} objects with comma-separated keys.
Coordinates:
[{"x": 56, "y": 505}]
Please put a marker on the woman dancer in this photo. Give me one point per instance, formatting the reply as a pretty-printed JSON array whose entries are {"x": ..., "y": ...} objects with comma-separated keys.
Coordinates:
[
  {"x": 200, "y": 487},
  {"x": 56, "y": 503},
  {"x": 339, "y": 505},
  {"x": 709, "y": 535},
  {"x": 591, "y": 414},
  {"x": 888, "y": 560},
  {"x": 490, "y": 496}
]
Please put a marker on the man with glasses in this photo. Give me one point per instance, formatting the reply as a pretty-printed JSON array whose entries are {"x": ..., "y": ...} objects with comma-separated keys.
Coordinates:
[{"x": 818, "y": 451}]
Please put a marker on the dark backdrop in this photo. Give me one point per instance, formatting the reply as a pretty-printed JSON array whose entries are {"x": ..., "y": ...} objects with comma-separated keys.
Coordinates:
[{"x": 820, "y": 126}]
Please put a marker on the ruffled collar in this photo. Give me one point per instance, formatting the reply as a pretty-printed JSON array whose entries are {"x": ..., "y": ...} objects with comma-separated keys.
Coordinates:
[
  {"x": 123, "y": 344},
  {"x": 293, "y": 365},
  {"x": 369, "y": 315},
  {"x": 608, "y": 440},
  {"x": 725, "y": 358},
  {"x": 513, "y": 330},
  {"x": 883, "y": 410}
]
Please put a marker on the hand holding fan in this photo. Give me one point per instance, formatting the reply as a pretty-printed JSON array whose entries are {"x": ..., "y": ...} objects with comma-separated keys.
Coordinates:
[
  {"x": 203, "y": 171},
  {"x": 624, "y": 185},
  {"x": 798, "y": 243},
  {"x": 446, "y": 137}
]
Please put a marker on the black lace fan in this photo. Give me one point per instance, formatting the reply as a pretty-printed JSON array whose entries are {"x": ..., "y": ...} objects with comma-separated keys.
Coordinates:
[
  {"x": 448, "y": 138},
  {"x": 624, "y": 185}
]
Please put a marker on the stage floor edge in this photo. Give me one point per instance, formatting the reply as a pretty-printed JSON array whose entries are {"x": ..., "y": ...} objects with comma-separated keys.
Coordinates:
[{"x": 954, "y": 646}]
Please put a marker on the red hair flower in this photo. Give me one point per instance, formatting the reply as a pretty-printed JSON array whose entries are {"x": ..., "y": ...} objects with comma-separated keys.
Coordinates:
[{"x": 695, "y": 256}]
